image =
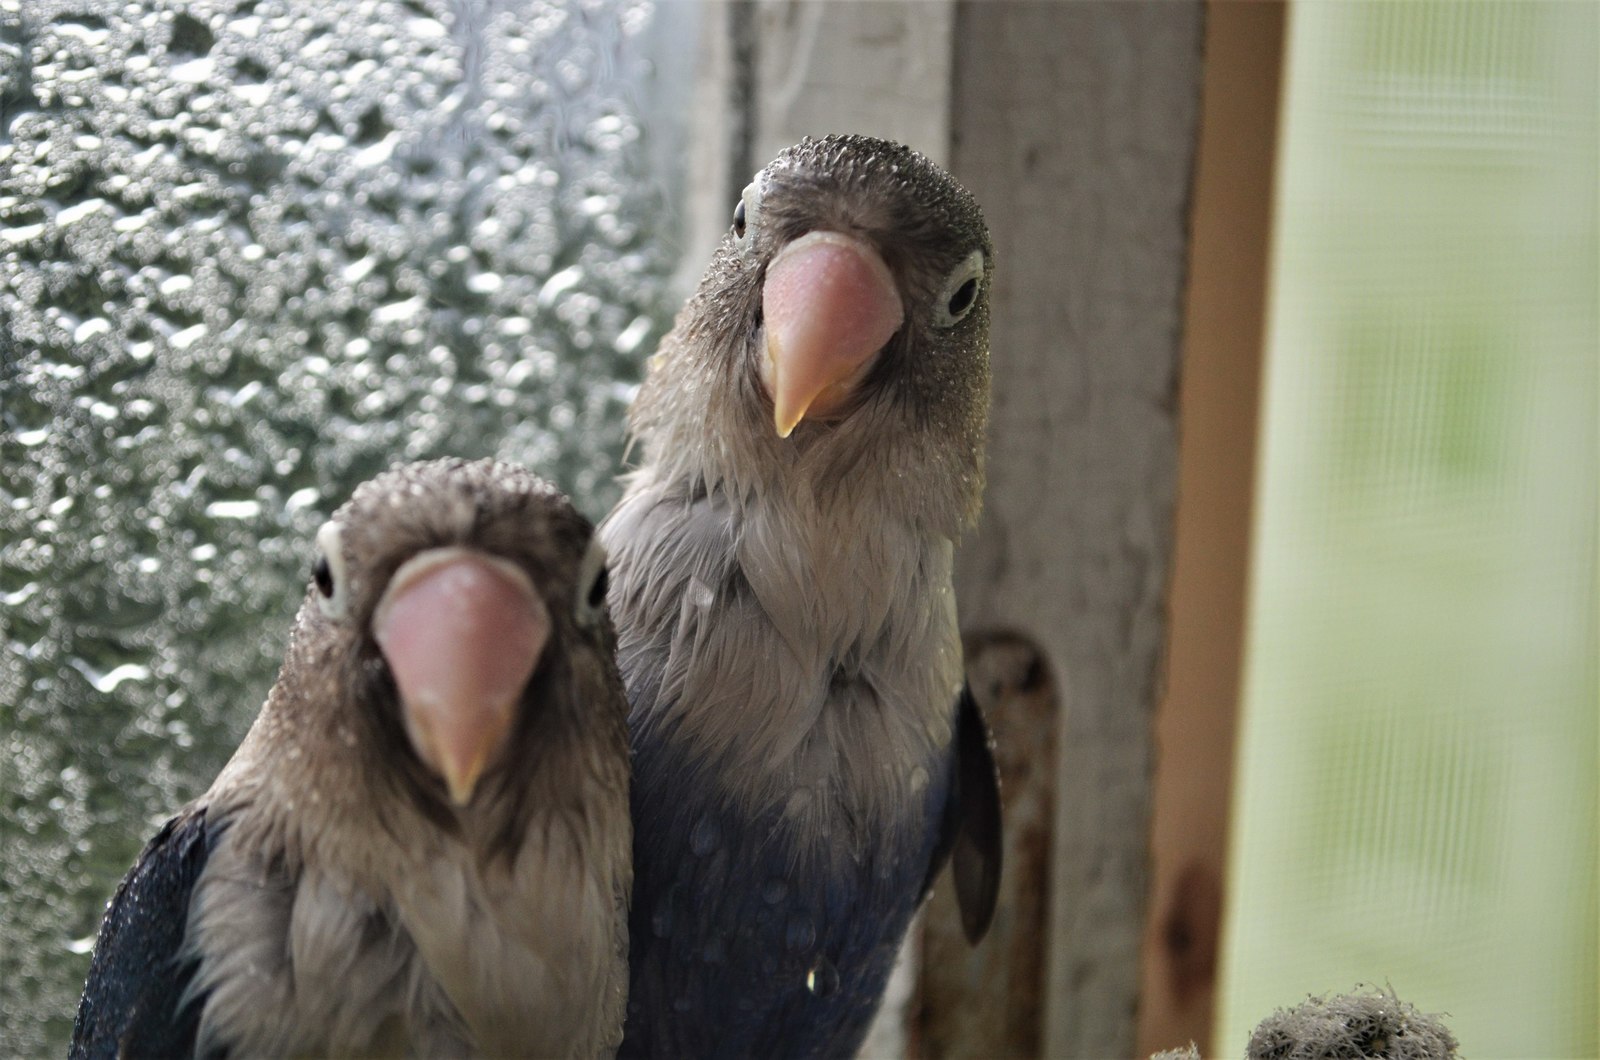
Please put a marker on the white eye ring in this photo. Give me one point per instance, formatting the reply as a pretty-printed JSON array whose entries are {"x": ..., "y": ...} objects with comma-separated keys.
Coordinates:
[
  {"x": 333, "y": 587},
  {"x": 746, "y": 215},
  {"x": 590, "y": 601},
  {"x": 956, "y": 297}
]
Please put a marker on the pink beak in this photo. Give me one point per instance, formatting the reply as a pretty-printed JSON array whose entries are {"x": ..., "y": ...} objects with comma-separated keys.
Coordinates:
[
  {"x": 830, "y": 304},
  {"x": 462, "y": 632}
]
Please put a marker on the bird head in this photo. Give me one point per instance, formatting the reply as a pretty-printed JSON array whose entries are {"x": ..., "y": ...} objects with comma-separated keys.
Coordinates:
[
  {"x": 461, "y": 607},
  {"x": 845, "y": 310}
]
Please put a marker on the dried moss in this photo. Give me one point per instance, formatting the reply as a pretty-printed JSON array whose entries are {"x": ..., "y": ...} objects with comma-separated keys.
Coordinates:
[{"x": 1356, "y": 1026}]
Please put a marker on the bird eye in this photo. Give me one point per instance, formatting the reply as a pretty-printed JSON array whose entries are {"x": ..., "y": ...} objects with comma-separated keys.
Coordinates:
[
  {"x": 322, "y": 574},
  {"x": 960, "y": 291},
  {"x": 598, "y": 589},
  {"x": 746, "y": 213},
  {"x": 593, "y": 583},
  {"x": 962, "y": 300},
  {"x": 333, "y": 590}
]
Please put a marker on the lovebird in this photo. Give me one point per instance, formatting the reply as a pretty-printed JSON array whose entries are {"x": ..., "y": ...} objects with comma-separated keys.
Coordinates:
[
  {"x": 422, "y": 846},
  {"x": 805, "y": 756}
]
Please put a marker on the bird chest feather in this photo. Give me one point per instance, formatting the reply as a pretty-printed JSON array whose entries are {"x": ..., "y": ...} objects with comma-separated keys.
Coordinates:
[{"x": 455, "y": 956}]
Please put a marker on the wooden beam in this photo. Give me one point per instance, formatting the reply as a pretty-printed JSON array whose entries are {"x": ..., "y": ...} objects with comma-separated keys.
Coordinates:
[
  {"x": 880, "y": 69},
  {"x": 1224, "y": 330},
  {"x": 1074, "y": 125},
  {"x": 989, "y": 1001}
]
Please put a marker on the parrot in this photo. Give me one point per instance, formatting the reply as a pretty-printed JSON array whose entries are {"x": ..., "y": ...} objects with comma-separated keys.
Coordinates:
[
  {"x": 806, "y": 756},
  {"x": 422, "y": 845}
]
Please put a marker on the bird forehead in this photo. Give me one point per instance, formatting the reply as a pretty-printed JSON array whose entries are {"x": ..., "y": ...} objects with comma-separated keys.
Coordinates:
[
  {"x": 456, "y": 494},
  {"x": 500, "y": 508},
  {"x": 913, "y": 204},
  {"x": 868, "y": 163},
  {"x": 486, "y": 478}
]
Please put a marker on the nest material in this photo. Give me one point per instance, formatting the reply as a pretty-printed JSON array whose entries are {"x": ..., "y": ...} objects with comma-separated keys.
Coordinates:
[{"x": 1357, "y": 1026}]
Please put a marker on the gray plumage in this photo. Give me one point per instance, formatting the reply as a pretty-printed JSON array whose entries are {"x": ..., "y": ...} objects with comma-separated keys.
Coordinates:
[
  {"x": 787, "y": 625},
  {"x": 339, "y": 897}
]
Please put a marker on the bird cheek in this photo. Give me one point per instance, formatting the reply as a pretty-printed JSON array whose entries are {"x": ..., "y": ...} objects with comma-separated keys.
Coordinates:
[
  {"x": 830, "y": 303},
  {"x": 462, "y": 633}
]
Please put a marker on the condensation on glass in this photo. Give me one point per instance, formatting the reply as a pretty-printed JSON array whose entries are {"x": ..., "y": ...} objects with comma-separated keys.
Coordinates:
[{"x": 252, "y": 252}]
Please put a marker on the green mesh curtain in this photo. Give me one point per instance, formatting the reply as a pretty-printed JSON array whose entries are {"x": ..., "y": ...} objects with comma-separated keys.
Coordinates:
[{"x": 1417, "y": 774}]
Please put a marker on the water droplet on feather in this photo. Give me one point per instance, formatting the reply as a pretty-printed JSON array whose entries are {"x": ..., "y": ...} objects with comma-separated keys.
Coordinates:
[{"x": 823, "y": 979}]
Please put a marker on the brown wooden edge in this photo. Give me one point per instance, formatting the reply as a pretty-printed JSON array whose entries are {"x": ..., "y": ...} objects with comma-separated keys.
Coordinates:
[{"x": 1225, "y": 317}]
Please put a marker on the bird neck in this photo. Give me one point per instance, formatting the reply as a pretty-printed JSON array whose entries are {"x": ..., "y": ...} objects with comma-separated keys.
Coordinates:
[
  {"x": 704, "y": 424},
  {"x": 787, "y": 647}
]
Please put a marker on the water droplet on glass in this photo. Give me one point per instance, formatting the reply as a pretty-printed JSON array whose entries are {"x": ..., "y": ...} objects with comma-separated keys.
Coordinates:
[
  {"x": 233, "y": 509},
  {"x": 108, "y": 681}
]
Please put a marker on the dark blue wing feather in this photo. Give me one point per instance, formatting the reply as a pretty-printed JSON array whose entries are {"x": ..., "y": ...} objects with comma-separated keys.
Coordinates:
[
  {"x": 970, "y": 833},
  {"x": 131, "y": 1003}
]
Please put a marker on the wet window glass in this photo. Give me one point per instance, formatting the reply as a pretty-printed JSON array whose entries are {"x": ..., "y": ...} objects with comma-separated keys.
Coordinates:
[{"x": 251, "y": 253}]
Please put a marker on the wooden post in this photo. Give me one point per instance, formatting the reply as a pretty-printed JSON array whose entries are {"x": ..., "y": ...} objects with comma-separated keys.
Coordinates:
[
  {"x": 1223, "y": 336},
  {"x": 990, "y": 1001},
  {"x": 1074, "y": 125}
]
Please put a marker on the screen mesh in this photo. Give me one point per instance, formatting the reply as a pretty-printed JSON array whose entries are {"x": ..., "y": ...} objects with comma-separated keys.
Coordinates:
[{"x": 1416, "y": 793}]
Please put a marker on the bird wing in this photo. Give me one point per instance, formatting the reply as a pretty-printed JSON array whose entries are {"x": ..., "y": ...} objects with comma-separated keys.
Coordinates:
[
  {"x": 970, "y": 834},
  {"x": 133, "y": 1004}
]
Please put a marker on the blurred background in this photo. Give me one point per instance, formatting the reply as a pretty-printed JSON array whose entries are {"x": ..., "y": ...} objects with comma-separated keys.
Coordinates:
[
  {"x": 1285, "y": 599},
  {"x": 1416, "y": 795}
]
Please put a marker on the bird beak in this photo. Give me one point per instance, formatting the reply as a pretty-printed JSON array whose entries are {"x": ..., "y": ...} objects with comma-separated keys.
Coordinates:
[
  {"x": 462, "y": 632},
  {"x": 830, "y": 304}
]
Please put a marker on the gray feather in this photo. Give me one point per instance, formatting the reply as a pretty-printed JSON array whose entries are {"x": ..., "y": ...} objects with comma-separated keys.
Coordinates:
[
  {"x": 348, "y": 907},
  {"x": 787, "y": 623}
]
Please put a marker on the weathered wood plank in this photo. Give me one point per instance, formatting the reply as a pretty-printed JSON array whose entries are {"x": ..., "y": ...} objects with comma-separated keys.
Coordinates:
[
  {"x": 1074, "y": 125},
  {"x": 879, "y": 68},
  {"x": 1224, "y": 332},
  {"x": 989, "y": 1001}
]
